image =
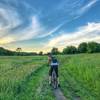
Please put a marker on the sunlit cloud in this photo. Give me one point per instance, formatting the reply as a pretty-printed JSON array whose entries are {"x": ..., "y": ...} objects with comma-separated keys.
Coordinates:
[
  {"x": 89, "y": 32},
  {"x": 6, "y": 40}
]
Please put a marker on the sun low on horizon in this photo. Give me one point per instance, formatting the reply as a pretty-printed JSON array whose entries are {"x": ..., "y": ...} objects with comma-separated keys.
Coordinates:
[{"x": 39, "y": 25}]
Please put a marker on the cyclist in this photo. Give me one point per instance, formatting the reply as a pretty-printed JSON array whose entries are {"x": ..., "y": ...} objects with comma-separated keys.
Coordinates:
[{"x": 53, "y": 62}]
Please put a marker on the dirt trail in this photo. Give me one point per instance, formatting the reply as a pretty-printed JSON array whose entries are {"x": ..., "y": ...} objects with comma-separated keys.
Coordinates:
[{"x": 58, "y": 94}]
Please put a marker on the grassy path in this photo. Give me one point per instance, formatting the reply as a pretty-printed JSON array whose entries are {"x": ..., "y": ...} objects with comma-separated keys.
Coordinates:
[
  {"x": 58, "y": 94},
  {"x": 36, "y": 87},
  {"x": 24, "y": 78}
]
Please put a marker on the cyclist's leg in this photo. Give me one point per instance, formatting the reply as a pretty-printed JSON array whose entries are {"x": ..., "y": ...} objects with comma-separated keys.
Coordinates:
[
  {"x": 56, "y": 70},
  {"x": 50, "y": 74}
]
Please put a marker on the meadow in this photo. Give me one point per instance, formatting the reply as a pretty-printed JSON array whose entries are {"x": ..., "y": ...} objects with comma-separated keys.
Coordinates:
[
  {"x": 26, "y": 77},
  {"x": 80, "y": 76}
]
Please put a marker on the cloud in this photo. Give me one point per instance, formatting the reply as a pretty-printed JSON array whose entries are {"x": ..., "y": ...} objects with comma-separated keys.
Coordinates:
[
  {"x": 36, "y": 30},
  {"x": 87, "y": 7},
  {"x": 89, "y": 32},
  {"x": 9, "y": 19},
  {"x": 6, "y": 40},
  {"x": 50, "y": 33},
  {"x": 33, "y": 31}
]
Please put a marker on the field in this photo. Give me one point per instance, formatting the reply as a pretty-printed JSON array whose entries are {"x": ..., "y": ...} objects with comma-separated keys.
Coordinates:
[
  {"x": 26, "y": 78},
  {"x": 80, "y": 76}
]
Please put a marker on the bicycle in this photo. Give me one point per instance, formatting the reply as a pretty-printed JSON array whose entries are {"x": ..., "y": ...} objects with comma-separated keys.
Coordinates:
[{"x": 54, "y": 81}]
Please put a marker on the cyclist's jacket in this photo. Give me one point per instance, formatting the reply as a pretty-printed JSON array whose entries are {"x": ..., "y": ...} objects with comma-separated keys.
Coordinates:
[{"x": 54, "y": 63}]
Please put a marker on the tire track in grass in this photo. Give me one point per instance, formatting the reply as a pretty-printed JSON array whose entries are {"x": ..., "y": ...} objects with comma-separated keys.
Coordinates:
[
  {"x": 74, "y": 90},
  {"x": 35, "y": 87},
  {"x": 44, "y": 91},
  {"x": 71, "y": 92},
  {"x": 58, "y": 94},
  {"x": 86, "y": 91}
]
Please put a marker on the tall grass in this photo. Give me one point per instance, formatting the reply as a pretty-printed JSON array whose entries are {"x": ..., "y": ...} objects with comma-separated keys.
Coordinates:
[
  {"x": 17, "y": 77},
  {"x": 82, "y": 74}
]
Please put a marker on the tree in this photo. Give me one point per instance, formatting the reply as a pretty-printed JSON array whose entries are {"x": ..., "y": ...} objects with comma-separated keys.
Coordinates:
[
  {"x": 70, "y": 50},
  {"x": 55, "y": 51},
  {"x": 40, "y": 53},
  {"x": 93, "y": 47},
  {"x": 98, "y": 47},
  {"x": 5, "y": 52},
  {"x": 82, "y": 48},
  {"x": 19, "y": 49}
]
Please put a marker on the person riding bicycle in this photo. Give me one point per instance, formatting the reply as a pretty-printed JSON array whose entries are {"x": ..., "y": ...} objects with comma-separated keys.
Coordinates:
[{"x": 53, "y": 62}]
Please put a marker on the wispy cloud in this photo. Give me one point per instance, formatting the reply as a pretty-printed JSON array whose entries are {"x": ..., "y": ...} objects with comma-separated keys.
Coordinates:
[
  {"x": 87, "y": 7},
  {"x": 51, "y": 32},
  {"x": 33, "y": 31},
  {"x": 89, "y": 32},
  {"x": 9, "y": 19}
]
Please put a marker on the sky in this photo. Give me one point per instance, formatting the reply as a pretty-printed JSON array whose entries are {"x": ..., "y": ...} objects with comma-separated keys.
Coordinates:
[{"x": 39, "y": 25}]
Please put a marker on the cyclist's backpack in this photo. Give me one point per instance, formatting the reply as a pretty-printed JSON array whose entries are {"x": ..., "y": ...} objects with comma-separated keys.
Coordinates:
[{"x": 54, "y": 63}]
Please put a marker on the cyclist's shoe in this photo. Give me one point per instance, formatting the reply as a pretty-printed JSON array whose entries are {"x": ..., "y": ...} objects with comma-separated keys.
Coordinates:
[
  {"x": 59, "y": 85},
  {"x": 50, "y": 84}
]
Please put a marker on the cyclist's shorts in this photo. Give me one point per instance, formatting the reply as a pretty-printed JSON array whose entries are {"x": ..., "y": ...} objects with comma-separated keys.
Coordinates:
[{"x": 51, "y": 70}]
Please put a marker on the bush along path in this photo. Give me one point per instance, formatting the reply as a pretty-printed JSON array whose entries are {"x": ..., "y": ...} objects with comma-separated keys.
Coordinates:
[{"x": 36, "y": 87}]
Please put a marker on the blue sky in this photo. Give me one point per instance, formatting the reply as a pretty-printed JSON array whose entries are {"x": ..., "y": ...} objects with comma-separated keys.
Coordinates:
[{"x": 39, "y": 25}]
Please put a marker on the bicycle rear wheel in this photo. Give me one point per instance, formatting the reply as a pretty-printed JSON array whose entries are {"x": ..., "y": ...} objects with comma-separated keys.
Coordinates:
[{"x": 54, "y": 80}]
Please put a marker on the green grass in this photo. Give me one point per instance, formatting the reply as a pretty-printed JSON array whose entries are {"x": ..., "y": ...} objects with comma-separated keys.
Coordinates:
[
  {"x": 80, "y": 76},
  {"x": 26, "y": 78}
]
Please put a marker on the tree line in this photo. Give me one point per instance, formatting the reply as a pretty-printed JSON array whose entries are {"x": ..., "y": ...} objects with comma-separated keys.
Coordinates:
[
  {"x": 18, "y": 52},
  {"x": 84, "y": 47}
]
